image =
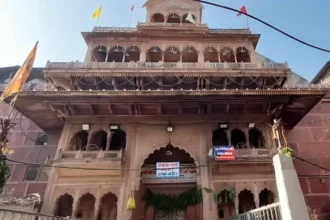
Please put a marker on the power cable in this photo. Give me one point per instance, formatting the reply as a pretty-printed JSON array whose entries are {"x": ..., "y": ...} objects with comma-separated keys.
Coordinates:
[
  {"x": 265, "y": 23},
  {"x": 126, "y": 169},
  {"x": 310, "y": 163}
]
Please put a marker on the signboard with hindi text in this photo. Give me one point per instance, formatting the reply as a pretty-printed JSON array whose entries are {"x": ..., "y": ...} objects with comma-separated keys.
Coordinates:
[
  {"x": 224, "y": 153},
  {"x": 167, "y": 169},
  {"x": 187, "y": 174}
]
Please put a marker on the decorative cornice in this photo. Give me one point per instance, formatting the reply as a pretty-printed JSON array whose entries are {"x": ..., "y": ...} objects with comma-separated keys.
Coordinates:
[{"x": 160, "y": 93}]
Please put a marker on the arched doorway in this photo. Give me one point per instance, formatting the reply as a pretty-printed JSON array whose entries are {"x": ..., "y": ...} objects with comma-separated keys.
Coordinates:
[{"x": 172, "y": 185}]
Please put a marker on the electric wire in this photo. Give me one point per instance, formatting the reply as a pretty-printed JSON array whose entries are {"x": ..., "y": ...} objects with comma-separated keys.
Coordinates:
[
  {"x": 265, "y": 23},
  {"x": 129, "y": 169}
]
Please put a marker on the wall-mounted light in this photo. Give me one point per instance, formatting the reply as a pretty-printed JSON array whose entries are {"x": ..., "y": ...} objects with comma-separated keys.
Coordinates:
[
  {"x": 251, "y": 125},
  {"x": 85, "y": 127},
  {"x": 170, "y": 128},
  {"x": 114, "y": 127},
  {"x": 223, "y": 126}
]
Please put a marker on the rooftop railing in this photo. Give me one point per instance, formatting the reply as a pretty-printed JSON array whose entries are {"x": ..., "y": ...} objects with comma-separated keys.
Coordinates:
[
  {"x": 269, "y": 212},
  {"x": 164, "y": 65},
  {"x": 186, "y": 25}
]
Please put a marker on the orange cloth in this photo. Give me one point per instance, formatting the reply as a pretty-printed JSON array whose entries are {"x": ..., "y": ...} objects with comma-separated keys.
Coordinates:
[{"x": 21, "y": 75}]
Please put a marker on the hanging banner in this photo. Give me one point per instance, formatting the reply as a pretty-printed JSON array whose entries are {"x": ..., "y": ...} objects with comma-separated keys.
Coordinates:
[
  {"x": 224, "y": 153},
  {"x": 187, "y": 174},
  {"x": 167, "y": 169}
]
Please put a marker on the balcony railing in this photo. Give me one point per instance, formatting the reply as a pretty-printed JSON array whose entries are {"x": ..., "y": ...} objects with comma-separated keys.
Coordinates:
[
  {"x": 163, "y": 65},
  {"x": 269, "y": 212},
  {"x": 113, "y": 29},
  {"x": 76, "y": 155},
  {"x": 152, "y": 24},
  {"x": 80, "y": 163},
  {"x": 255, "y": 153}
]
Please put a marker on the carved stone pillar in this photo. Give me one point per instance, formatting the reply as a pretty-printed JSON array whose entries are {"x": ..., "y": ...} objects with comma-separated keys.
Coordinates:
[
  {"x": 106, "y": 57},
  {"x": 201, "y": 57},
  {"x": 109, "y": 137},
  {"x": 143, "y": 56},
  {"x": 97, "y": 207},
  {"x": 163, "y": 56},
  {"x": 256, "y": 195},
  {"x": 235, "y": 57},
  {"x": 236, "y": 205},
  {"x": 219, "y": 58}
]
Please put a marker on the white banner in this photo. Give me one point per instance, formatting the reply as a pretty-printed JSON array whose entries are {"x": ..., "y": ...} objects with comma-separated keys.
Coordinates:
[{"x": 167, "y": 169}]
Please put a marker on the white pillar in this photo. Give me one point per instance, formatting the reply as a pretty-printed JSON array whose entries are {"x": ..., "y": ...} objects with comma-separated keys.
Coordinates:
[{"x": 291, "y": 198}]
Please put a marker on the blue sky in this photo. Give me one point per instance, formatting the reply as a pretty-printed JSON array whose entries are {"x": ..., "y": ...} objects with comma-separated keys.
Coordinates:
[{"x": 57, "y": 25}]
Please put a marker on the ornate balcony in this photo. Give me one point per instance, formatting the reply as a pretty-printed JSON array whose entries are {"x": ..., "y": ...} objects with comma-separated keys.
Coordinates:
[
  {"x": 253, "y": 160},
  {"x": 255, "y": 153},
  {"x": 163, "y": 65},
  {"x": 89, "y": 159}
]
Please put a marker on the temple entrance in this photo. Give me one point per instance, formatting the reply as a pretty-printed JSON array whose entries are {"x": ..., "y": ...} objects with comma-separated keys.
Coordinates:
[{"x": 168, "y": 186}]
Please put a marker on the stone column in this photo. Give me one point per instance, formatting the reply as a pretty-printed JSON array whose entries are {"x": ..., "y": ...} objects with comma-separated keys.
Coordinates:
[
  {"x": 236, "y": 205},
  {"x": 201, "y": 57},
  {"x": 143, "y": 56},
  {"x": 235, "y": 57},
  {"x": 256, "y": 195},
  {"x": 292, "y": 200}
]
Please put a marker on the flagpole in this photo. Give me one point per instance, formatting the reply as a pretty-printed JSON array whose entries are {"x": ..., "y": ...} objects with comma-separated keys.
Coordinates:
[{"x": 247, "y": 21}]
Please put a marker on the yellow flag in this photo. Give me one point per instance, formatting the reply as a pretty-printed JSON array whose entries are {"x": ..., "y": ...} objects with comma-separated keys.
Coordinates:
[
  {"x": 21, "y": 75},
  {"x": 130, "y": 202},
  {"x": 97, "y": 13}
]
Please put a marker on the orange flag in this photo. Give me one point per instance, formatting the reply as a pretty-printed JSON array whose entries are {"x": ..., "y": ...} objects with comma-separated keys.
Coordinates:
[
  {"x": 242, "y": 11},
  {"x": 21, "y": 75}
]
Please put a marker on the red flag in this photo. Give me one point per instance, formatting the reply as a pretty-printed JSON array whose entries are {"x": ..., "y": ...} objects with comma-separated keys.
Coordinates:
[
  {"x": 132, "y": 8},
  {"x": 242, "y": 11}
]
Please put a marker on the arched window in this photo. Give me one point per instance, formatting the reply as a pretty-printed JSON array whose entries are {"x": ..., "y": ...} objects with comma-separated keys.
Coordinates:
[
  {"x": 154, "y": 54},
  {"x": 42, "y": 139},
  {"x": 86, "y": 205},
  {"x": 238, "y": 139},
  {"x": 245, "y": 201},
  {"x": 243, "y": 55},
  {"x": 79, "y": 141},
  {"x": 219, "y": 137},
  {"x": 99, "y": 139},
  {"x": 64, "y": 206},
  {"x": 132, "y": 54},
  {"x": 116, "y": 54},
  {"x": 256, "y": 139},
  {"x": 172, "y": 54},
  {"x": 99, "y": 53},
  {"x": 211, "y": 55},
  {"x": 266, "y": 197},
  {"x": 118, "y": 140},
  {"x": 174, "y": 18},
  {"x": 227, "y": 55},
  {"x": 189, "y": 55},
  {"x": 158, "y": 18}
]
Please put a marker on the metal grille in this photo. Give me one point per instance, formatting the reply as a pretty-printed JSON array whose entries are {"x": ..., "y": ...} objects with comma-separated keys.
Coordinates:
[
  {"x": 6, "y": 214},
  {"x": 269, "y": 212}
]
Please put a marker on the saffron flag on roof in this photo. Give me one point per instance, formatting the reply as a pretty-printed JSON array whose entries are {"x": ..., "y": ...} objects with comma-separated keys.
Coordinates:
[
  {"x": 21, "y": 75},
  {"x": 242, "y": 11},
  {"x": 132, "y": 8},
  {"x": 97, "y": 13}
]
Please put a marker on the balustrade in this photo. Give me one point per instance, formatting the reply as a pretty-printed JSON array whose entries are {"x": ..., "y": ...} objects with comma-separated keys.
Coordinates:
[
  {"x": 269, "y": 212},
  {"x": 176, "y": 65},
  {"x": 255, "y": 152}
]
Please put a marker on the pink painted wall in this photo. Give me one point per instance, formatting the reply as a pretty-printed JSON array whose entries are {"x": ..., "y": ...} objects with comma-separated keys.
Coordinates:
[
  {"x": 25, "y": 150},
  {"x": 311, "y": 140}
]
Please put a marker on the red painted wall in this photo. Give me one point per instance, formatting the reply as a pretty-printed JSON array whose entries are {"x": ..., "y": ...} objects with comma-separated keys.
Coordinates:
[
  {"x": 25, "y": 150},
  {"x": 311, "y": 140}
]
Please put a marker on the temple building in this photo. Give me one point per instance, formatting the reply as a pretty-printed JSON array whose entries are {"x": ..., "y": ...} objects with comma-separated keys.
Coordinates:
[{"x": 170, "y": 91}]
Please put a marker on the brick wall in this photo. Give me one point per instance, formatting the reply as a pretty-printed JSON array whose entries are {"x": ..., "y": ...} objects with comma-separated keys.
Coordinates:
[
  {"x": 311, "y": 140},
  {"x": 25, "y": 149}
]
